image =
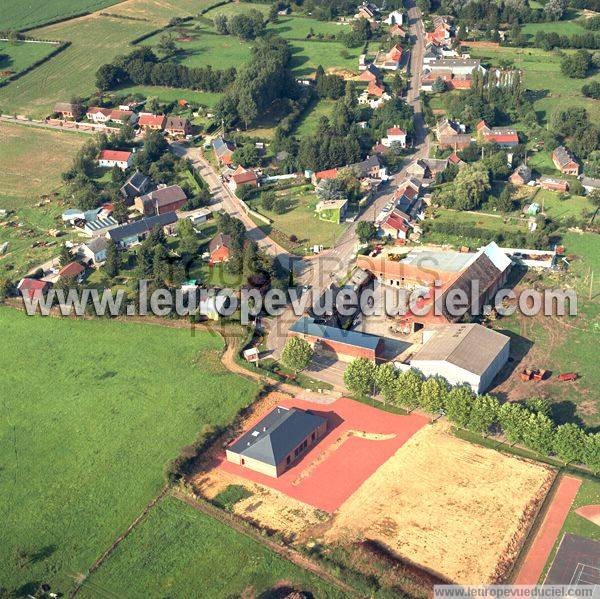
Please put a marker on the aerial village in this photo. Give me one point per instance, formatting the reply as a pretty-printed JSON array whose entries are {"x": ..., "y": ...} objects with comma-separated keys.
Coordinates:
[{"x": 374, "y": 452}]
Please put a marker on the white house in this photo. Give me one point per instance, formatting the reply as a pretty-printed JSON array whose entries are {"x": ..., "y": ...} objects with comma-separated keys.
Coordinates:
[
  {"x": 112, "y": 158},
  {"x": 394, "y": 135},
  {"x": 94, "y": 251},
  {"x": 394, "y": 18},
  {"x": 463, "y": 354}
]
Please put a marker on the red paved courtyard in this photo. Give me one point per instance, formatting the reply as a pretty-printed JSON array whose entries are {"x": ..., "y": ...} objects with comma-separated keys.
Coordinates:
[{"x": 336, "y": 466}]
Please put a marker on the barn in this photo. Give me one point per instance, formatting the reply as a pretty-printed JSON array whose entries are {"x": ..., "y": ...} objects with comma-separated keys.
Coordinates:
[
  {"x": 345, "y": 345},
  {"x": 463, "y": 354},
  {"x": 277, "y": 441}
]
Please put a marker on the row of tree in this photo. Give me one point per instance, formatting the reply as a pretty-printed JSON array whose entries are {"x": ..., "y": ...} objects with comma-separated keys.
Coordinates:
[
  {"x": 142, "y": 67},
  {"x": 548, "y": 40},
  {"x": 528, "y": 424}
]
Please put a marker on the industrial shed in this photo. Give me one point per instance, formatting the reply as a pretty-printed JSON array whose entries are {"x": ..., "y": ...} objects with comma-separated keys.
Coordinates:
[
  {"x": 463, "y": 354},
  {"x": 274, "y": 443}
]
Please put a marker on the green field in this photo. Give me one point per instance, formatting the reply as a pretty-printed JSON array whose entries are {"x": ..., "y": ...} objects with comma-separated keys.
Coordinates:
[
  {"x": 574, "y": 207},
  {"x": 19, "y": 15},
  {"x": 309, "y": 122},
  {"x": 235, "y": 8},
  {"x": 95, "y": 40},
  {"x": 91, "y": 412},
  {"x": 542, "y": 73},
  {"x": 170, "y": 94},
  {"x": 17, "y": 56},
  {"x": 561, "y": 27},
  {"x": 563, "y": 344},
  {"x": 177, "y": 551},
  {"x": 299, "y": 27},
  {"x": 31, "y": 163}
]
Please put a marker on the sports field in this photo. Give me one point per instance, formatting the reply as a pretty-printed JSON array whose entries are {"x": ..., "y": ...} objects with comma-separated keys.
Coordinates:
[
  {"x": 19, "y": 15},
  {"x": 179, "y": 552},
  {"x": 91, "y": 411},
  {"x": 42, "y": 154}
]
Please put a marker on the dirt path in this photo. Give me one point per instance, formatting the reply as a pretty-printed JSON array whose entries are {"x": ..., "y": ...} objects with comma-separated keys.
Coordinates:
[
  {"x": 533, "y": 565},
  {"x": 284, "y": 552}
]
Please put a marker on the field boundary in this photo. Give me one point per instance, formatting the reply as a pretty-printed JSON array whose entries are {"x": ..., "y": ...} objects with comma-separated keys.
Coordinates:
[{"x": 246, "y": 529}]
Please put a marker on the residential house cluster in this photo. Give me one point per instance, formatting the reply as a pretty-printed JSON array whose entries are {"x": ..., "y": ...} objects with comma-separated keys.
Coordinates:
[{"x": 505, "y": 137}]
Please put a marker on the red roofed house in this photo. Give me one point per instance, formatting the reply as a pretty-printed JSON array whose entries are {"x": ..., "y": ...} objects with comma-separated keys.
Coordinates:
[
  {"x": 72, "y": 270},
  {"x": 370, "y": 74},
  {"x": 504, "y": 137},
  {"x": 397, "y": 31},
  {"x": 112, "y": 158},
  {"x": 395, "y": 226},
  {"x": 374, "y": 89},
  {"x": 219, "y": 248},
  {"x": 455, "y": 159},
  {"x": 154, "y": 122},
  {"x": 330, "y": 173},
  {"x": 243, "y": 177},
  {"x": 33, "y": 288},
  {"x": 394, "y": 135},
  {"x": 389, "y": 61}
]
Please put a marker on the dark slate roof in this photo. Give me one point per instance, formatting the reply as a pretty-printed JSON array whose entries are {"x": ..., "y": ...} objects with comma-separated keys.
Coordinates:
[
  {"x": 563, "y": 155},
  {"x": 163, "y": 196},
  {"x": 221, "y": 147},
  {"x": 144, "y": 225},
  {"x": 273, "y": 438},
  {"x": 366, "y": 165},
  {"x": 308, "y": 326},
  {"x": 219, "y": 240},
  {"x": 97, "y": 244},
  {"x": 137, "y": 184},
  {"x": 410, "y": 207}
]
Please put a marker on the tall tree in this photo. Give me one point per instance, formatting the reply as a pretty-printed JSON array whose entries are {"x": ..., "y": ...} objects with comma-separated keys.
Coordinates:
[
  {"x": 297, "y": 354},
  {"x": 113, "y": 259},
  {"x": 434, "y": 393},
  {"x": 408, "y": 389},
  {"x": 359, "y": 376},
  {"x": 385, "y": 379}
]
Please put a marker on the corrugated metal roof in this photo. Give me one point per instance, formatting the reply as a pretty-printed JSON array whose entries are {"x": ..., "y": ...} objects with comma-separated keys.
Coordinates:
[{"x": 308, "y": 326}]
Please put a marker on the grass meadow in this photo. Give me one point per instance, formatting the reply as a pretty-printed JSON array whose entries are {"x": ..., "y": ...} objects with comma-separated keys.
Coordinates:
[
  {"x": 31, "y": 162},
  {"x": 17, "y": 14},
  {"x": 552, "y": 90},
  {"x": 17, "y": 56},
  {"x": 177, "y": 550},
  {"x": 91, "y": 412}
]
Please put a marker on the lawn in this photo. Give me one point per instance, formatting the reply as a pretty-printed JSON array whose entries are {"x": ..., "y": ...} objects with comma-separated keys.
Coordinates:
[
  {"x": 309, "y": 122},
  {"x": 87, "y": 428},
  {"x": 177, "y": 551},
  {"x": 542, "y": 73},
  {"x": 332, "y": 56},
  {"x": 31, "y": 163},
  {"x": 95, "y": 40},
  {"x": 169, "y": 94},
  {"x": 561, "y": 27},
  {"x": 17, "y": 14},
  {"x": 577, "y": 207},
  {"x": 235, "y": 8},
  {"x": 297, "y": 28},
  {"x": 301, "y": 219},
  {"x": 17, "y": 56}
]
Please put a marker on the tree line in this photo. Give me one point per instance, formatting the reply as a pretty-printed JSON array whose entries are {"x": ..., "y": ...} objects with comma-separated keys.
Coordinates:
[
  {"x": 143, "y": 67},
  {"x": 530, "y": 424}
]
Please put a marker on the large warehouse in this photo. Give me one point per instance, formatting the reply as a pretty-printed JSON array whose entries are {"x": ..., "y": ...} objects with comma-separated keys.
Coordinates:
[
  {"x": 463, "y": 354},
  {"x": 281, "y": 438}
]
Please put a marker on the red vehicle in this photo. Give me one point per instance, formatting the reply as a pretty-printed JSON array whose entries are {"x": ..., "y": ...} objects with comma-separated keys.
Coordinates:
[{"x": 568, "y": 376}]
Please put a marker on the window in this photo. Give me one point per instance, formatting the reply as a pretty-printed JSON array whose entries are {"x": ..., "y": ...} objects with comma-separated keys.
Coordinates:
[
  {"x": 243, "y": 462},
  {"x": 312, "y": 437},
  {"x": 289, "y": 459}
]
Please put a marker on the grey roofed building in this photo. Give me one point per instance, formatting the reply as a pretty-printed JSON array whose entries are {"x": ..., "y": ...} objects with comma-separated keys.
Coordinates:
[
  {"x": 364, "y": 167},
  {"x": 219, "y": 240},
  {"x": 99, "y": 225},
  {"x": 463, "y": 353},
  {"x": 563, "y": 155},
  {"x": 274, "y": 439},
  {"x": 97, "y": 244},
  {"x": 589, "y": 183},
  {"x": 308, "y": 326},
  {"x": 221, "y": 146},
  {"x": 136, "y": 185},
  {"x": 141, "y": 227}
]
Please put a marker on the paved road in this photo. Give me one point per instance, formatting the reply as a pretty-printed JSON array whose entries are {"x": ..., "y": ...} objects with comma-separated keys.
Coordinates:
[{"x": 224, "y": 198}]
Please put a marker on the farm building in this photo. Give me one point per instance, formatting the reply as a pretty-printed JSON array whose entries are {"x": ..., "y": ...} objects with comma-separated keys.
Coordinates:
[
  {"x": 161, "y": 200},
  {"x": 565, "y": 162},
  {"x": 277, "y": 441},
  {"x": 177, "y": 126},
  {"x": 130, "y": 234},
  {"x": 33, "y": 288},
  {"x": 502, "y": 136},
  {"x": 463, "y": 354},
  {"x": 73, "y": 270},
  {"x": 112, "y": 158},
  {"x": 346, "y": 345},
  {"x": 553, "y": 184},
  {"x": 521, "y": 176}
]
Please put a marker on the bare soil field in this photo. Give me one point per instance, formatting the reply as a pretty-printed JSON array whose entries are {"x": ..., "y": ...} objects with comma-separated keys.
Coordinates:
[{"x": 457, "y": 509}]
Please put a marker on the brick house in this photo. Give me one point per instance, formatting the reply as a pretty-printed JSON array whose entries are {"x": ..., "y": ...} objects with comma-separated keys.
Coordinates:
[
  {"x": 177, "y": 126},
  {"x": 153, "y": 122},
  {"x": 521, "y": 176},
  {"x": 553, "y": 184},
  {"x": 219, "y": 248},
  {"x": 565, "y": 162},
  {"x": 65, "y": 110}
]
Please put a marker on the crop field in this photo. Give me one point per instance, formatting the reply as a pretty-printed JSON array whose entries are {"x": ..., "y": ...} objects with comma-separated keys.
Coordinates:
[
  {"x": 177, "y": 550},
  {"x": 43, "y": 154},
  {"x": 87, "y": 427},
  {"x": 19, "y": 15},
  {"x": 16, "y": 56},
  {"x": 236, "y": 8},
  {"x": 542, "y": 74},
  {"x": 561, "y": 344}
]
